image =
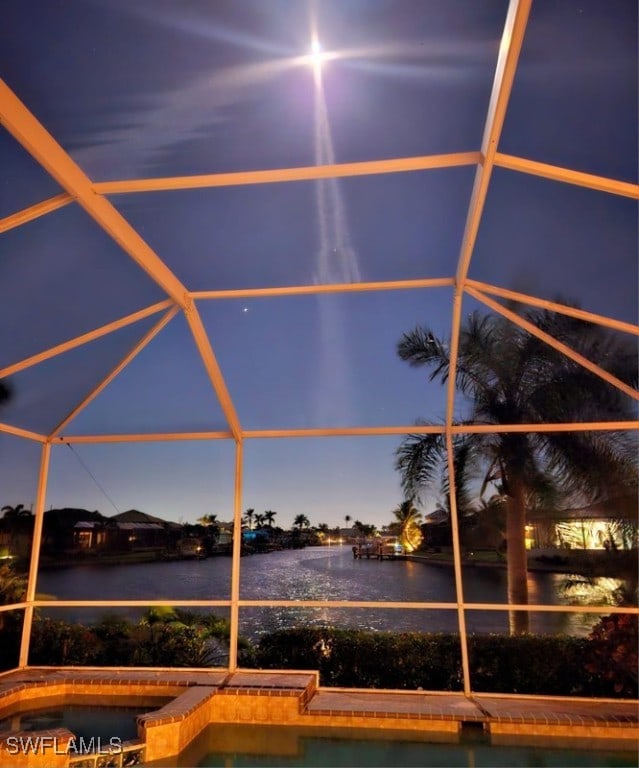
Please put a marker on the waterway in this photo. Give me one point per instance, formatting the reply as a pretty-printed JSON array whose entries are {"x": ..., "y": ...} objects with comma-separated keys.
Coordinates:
[{"x": 315, "y": 573}]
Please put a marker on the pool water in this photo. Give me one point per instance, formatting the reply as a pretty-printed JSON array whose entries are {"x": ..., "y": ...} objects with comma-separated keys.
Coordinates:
[
  {"x": 257, "y": 746},
  {"x": 83, "y": 721}
]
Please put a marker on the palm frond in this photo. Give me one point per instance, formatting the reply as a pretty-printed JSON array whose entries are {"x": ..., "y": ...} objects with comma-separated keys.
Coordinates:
[
  {"x": 418, "y": 459},
  {"x": 421, "y": 347}
]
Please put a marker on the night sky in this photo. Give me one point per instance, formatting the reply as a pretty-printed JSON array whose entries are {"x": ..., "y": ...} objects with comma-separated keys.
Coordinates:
[{"x": 134, "y": 89}]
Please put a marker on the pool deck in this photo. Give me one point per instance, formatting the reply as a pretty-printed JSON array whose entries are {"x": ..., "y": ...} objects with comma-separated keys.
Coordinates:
[{"x": 295, "y": 698}]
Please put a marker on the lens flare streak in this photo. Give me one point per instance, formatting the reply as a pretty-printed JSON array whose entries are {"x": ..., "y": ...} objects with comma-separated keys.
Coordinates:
[{"x": 336, "y": 263}]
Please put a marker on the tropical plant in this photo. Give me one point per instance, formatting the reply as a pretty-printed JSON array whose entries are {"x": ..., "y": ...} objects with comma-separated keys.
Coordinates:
[
  {"x": 248, "y": 517},
  {"x": 301, "y": 521},
  {"x": 13, "y": 586},
  {"x": 269, "y": 517},
  {"x": 207, "y": 520},
  {"x": 259, "y": 520},
  {"x": 11, "y": 513},
  {"x": 468, "y": 505},
  {"x": 512, "y": 377},
  {"x": 612, "y": 652},
  {"x": 624, "y": 531},
  {"x": 13, "y": 589},
  {"x": 165, "y": 636},
  {"x": 408, "y": 519},
  {"x": 364, "y": 529},
  {"x": 347, "y": 520}
]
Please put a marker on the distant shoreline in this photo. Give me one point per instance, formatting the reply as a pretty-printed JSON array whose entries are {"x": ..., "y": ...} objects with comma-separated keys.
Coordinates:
[
  {"x": 133, "y": 558},
  {"x": 585, "y": 563},
  {"x": 548, "y": 567},
  {"x": 588, "y": 564}
]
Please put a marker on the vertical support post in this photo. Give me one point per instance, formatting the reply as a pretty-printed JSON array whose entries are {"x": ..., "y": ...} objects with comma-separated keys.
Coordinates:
[
  {"x": 35, "y": 555},
  {"x": 237, "y": 552},
  {"x": 511, "y": 42},
  {"x": 459, "y": 588}
]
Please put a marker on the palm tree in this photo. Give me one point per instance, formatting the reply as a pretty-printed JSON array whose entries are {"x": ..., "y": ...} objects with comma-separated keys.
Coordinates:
[
  {"x": 347, "y": 519},
  {"x": 512, "y": 377},
  {"x": 301, "y": 521},
  {"x": 269, "y": 517},
  {"x": 465, "y": 472},
  {"x": 248, "y": 518},
  {"x": 11, "y": 513},
  {"x": 408, "y": 519},
  {"x": 207, "y": 520},
  {"x": 259, "y": 520}
]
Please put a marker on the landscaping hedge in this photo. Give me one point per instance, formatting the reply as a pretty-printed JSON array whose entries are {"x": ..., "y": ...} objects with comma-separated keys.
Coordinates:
[
  {"x": 526, "y": 664},
  {"x": 601, "y": 665}
]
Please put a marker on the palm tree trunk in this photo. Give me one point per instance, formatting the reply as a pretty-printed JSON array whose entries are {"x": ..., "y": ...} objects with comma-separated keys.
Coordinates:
[{"x": 517, "y": 561}]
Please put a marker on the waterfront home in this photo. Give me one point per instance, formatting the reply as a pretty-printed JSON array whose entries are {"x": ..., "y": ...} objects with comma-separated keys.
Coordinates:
[{"x": 607, "y": 525}]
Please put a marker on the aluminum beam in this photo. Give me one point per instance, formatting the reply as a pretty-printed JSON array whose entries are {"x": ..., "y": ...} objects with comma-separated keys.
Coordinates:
[
  {"x": 553, "y": 306},
  {"x": 85, "y": 338},
  {"x": 34, "y": 137},
  {"x": 511, "y": 42},
  {"x": 566, "y": 350},
  {"x": 133, "y": 352},
  {"x": 34, "y": 211},
  {"x": 567, "y": 176},
  {"x": 278, "y": 175}
]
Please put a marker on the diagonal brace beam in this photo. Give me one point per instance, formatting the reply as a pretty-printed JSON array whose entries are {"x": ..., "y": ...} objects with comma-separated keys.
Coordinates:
[
  {"x": 213, "y": 369},
  {"x": 34, "y": 137},
  {"x": 551, "y": 341}
]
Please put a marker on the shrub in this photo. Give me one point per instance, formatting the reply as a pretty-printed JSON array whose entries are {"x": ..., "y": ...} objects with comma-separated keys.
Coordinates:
[
  {"x": 60, "y": 643},
  {"x": 527, "y": 664},
  {"x": 361, "y": 659},
  {"x": 162, "y": 639},
  {"x": 612, "y": 654}
]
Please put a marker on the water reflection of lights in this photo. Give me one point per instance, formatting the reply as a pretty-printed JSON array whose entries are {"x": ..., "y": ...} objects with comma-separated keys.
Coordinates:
[{"x": 581, "y": 590}]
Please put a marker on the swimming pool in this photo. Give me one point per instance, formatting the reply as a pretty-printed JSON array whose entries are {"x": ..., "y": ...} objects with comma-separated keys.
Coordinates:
[
  {"x": 87, "y": 722},
  {"x": 232, "y": 745}
]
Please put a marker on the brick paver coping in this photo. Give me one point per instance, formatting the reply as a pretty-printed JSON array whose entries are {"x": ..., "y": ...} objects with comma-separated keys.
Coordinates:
[
  {"x": 179, "y": 708},
  {"x": 199, "y": 686}
]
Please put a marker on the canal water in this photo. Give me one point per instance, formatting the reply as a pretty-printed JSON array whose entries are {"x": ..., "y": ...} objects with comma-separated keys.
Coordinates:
[{"x": 314, "y": 573}]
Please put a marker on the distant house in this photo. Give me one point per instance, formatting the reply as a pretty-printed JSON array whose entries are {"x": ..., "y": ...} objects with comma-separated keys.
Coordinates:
[
  {"x": 62, "y": 532},
  {"x": 436, "y": 529},
  {"x": 607, "y": 525},
  {"x": 88, "y": 535},
  {"x": 78, "y": 530},
  {"x": 135, "y": 530}
]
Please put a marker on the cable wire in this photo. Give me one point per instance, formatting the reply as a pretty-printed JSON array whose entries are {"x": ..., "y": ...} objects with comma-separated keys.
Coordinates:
[{"x": 86, "y": 468}]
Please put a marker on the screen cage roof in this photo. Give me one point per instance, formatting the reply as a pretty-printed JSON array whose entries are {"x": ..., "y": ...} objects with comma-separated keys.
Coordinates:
[{"x": 242, "y": 198}]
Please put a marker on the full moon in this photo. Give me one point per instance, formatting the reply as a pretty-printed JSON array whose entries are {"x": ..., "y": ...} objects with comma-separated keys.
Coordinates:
[{"x": 317, "y": 55}]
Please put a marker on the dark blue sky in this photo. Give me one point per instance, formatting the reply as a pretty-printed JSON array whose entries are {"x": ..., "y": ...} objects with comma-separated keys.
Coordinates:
[{"x": 147, "y": 89}]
